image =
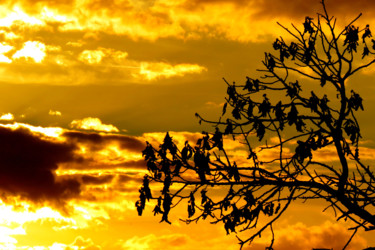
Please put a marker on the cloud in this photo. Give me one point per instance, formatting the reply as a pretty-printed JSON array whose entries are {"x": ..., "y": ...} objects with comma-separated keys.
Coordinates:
[
  {"x": 200, "y": 238},
  {"x": 79, "y": 42},
  {"x": 107, "y": 152},
  {"x": 99, "y": 141},
  {"x": 214, "y": 105},
  {"x": 91, "y": 56},
  {"x": 5, "y": 48},
  {"x": 79, "y": 243},
  {"x": 28, "y": 163},
  {"x": 44, "y": 47},
  {"x": 43, "y": 132},
  {"x": 31, "y": 49},
  {"x": 51, "y": 64},
  {"x": 54, "y": 113},
  {"x": 17, "y": 15},
  {"x": 237, "y": 20},
  {"x": 110, "y": 187},
  {"x": 7, "y": 117},
  {"x": 85, "y": 244},
  {"x": 97, "y": 180},
  {"x": 300, "y": 8},
  {"x": 9, "y": 35},
  {"x": 149, "y": 20},
  {"x": 174, "y": 241},
  {"x": 5, "y": 59},
  {"x": 114, "y": 57},
  {"x": 90, "y": 123},
  {"x": 328, "y": 235},
  {"x": 152, "y": 71}
]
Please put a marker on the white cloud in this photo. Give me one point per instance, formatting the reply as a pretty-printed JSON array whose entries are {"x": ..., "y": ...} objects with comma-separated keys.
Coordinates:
[
  {"x": 17, "y": 15},
  {"x": 32, "y": 49},
  {"x": 4, "y": 48},
  {"x": 5, "y": 59},
  {"x": 7, "y": 117}
]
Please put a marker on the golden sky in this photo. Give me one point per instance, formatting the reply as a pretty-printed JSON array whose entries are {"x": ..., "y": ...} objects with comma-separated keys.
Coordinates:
[{"x": 83, "y": 85}]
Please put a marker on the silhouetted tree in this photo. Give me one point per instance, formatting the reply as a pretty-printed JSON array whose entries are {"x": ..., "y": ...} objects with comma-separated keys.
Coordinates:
[{"x": 288, "y": 118}]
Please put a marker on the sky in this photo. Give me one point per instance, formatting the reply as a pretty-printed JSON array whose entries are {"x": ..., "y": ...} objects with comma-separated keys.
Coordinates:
[{"x": 85, "y": 83}]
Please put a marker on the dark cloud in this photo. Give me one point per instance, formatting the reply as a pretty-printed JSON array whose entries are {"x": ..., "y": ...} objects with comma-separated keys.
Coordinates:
[
  {"x": 124, "y": 178},
  {"x": 98, "y": 141},
  {"x": 90, "y": 163},
  {"x": 136, "y": 164},
  {"x": 28, "y": 164},
  {"x": 96, "y": 180}
]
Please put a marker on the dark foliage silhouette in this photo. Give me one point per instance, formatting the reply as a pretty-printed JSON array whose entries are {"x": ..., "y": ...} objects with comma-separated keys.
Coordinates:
[{"x": 300, "y": 106}]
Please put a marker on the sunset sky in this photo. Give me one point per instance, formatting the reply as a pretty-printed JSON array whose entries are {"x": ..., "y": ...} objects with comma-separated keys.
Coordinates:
[{"x": 83, "y": 85}]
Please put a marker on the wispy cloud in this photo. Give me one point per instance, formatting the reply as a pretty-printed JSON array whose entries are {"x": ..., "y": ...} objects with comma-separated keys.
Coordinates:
[{"x": 152, "y": 71}]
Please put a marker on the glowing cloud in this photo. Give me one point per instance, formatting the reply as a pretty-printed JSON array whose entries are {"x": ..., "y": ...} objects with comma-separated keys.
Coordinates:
[
  {"x": 5, "y": 59},
  {"x": 44, "y": 131},
  {"x": 32, "y": 49},
  {"x": 9, "y": 35},
  {"x": 79, "y": 243},
  {"x": 18, "y": 15},
  {"x": 152, "y": 71},
  {"x": 91, "y": 56},
  {"x": 91, "y": 123},
  {"x": 75, "y": 44},
  {"x": 49, "y": 15},
  {"x": 96, "y": 56},
  {"x": 300, "y": 236},
  {"x": 7, "y": 117},
  {"x": 4, "y": 48},
  {"x": 152, "y": 241},
  {"x": 54, "y": 113},
  {"x": 118, "y": 56}
]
